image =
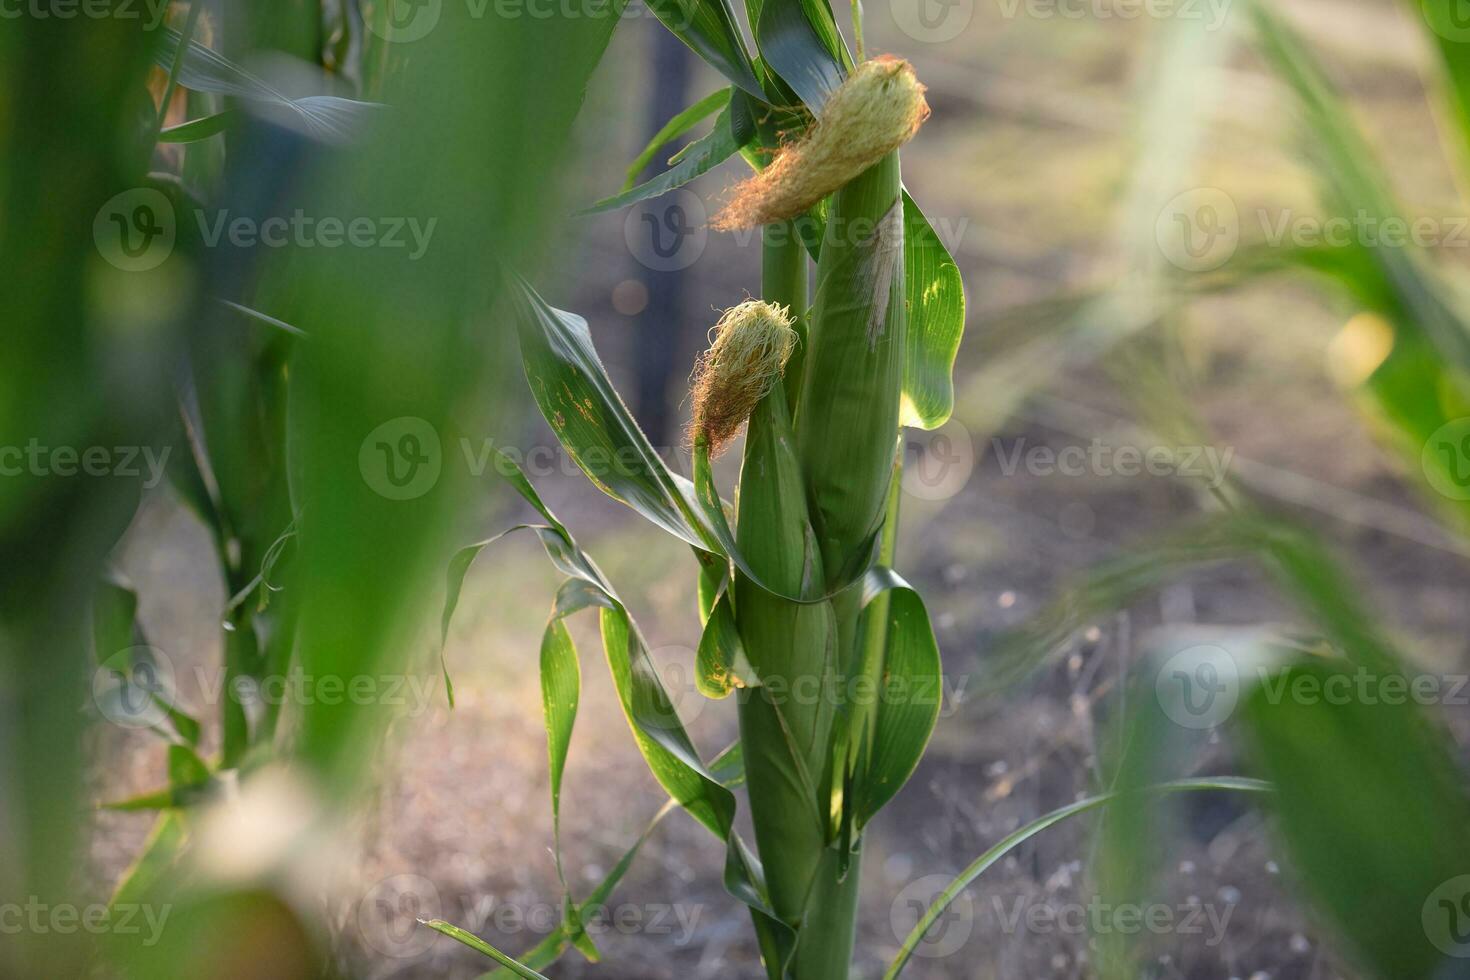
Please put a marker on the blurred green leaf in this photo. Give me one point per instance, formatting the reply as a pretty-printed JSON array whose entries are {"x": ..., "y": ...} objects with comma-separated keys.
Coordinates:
[
  {"x": 1372, "y": 809},
  {"x": 324, "y": 117},
  {"x": 1025, "y": 833},
  {"x": 197, "y": 129}
]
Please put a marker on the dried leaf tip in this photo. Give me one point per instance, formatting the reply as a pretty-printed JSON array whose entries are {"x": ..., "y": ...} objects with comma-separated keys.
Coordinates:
[
  {"x": 876, "y": 110},
  {"x": 752, "y": 344}
]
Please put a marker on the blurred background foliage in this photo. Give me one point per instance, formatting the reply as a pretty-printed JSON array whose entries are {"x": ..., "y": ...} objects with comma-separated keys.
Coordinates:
[{"x": 1113, "y": 189}]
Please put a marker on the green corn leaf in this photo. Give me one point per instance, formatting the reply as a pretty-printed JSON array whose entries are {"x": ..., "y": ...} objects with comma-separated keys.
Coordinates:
[
  {"x": 729, "y": 766},
  {"x": 1444, "y": 28},
  {"x": 714, "y": 572},
  {"x": 572, "y": 390},
  {"x": 1345, "y": 772},
  {"x": 673, "y": 129},
  {"x": 799, "y": 41},
  {"x": 651, "y": 714},
  {"x": 1354, "y": 183},
  {"x": 734, "y": 128},
  {"x": 1346, "y": 768},
  {"x": 115, "y": 617},
  {"x": 155, "y": 863},
  {"x": 561, "y": 680},
  {"x": 1421, "y": 385},
  {"x": 476, "y": 943},
  {"x": 936, "y": 301},
  {"x": 907, "y": 698},
  {"x": 185, "y": 769},
  {"x": 190, "y": 476},
  {"x": 1023, "y": 834},
  {"x": 323, "y": 117},
  {"x": 935, "y": 295},
  {"x": 197, "y": 129},
  {"x": 709, "y": 28},
  {"x": 561, "y": 686},
  {"x": 575, "y": 396},
  {"x": 550, "y": 949},
  {"x": 158, "y": 799},
  {"x": 721, "y": 664}
]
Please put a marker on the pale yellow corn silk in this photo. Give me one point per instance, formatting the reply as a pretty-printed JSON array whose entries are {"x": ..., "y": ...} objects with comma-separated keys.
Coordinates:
[
  {"x": 752, "y": 344},
  {"x": 876, "y": 110}
]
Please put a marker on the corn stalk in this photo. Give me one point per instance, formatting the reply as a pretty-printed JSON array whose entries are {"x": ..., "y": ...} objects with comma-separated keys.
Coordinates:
[{"x": 804, "y": 620}]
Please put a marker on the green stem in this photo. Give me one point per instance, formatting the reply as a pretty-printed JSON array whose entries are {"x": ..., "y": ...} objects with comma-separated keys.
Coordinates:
[
  {"x": 846, "y": 432},
  {"x": 788, "y": 644},
  {"x": 875, "y": 619},
  {"x": 241, "y": 655},
  {"x": 196, "y": 7}
]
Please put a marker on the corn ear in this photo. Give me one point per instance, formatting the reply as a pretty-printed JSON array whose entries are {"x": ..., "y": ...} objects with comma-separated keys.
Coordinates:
[{"x": 853, "y": 370}]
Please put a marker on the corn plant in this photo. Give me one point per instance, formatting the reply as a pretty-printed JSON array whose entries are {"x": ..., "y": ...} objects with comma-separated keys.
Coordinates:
[{"x": 798, "y": 598}]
